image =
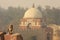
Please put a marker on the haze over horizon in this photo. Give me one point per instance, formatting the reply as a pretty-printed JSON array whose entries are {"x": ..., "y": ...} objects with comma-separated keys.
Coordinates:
[{"x": 28, "y": 3}]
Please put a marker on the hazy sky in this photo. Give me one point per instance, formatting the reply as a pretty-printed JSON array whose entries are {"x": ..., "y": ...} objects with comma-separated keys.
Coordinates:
[{"x": 28, "y": 3}]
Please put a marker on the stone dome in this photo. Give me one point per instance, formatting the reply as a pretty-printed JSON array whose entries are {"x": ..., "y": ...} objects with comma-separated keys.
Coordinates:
[{"x": 33, "y": 13}]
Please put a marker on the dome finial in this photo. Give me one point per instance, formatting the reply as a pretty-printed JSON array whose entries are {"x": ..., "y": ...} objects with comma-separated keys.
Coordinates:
[{"x": 33, "y": 5}]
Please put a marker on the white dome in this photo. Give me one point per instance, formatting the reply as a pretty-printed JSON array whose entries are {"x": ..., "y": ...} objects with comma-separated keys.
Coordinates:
[{"x": 33, "y": 13}]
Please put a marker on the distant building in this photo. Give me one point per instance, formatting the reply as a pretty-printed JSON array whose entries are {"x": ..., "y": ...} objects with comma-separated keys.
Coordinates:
[
  {"x": 56, "y": 31},
  {"x": 33, "y": 27},
  {"x": 32, "y": 19}
]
